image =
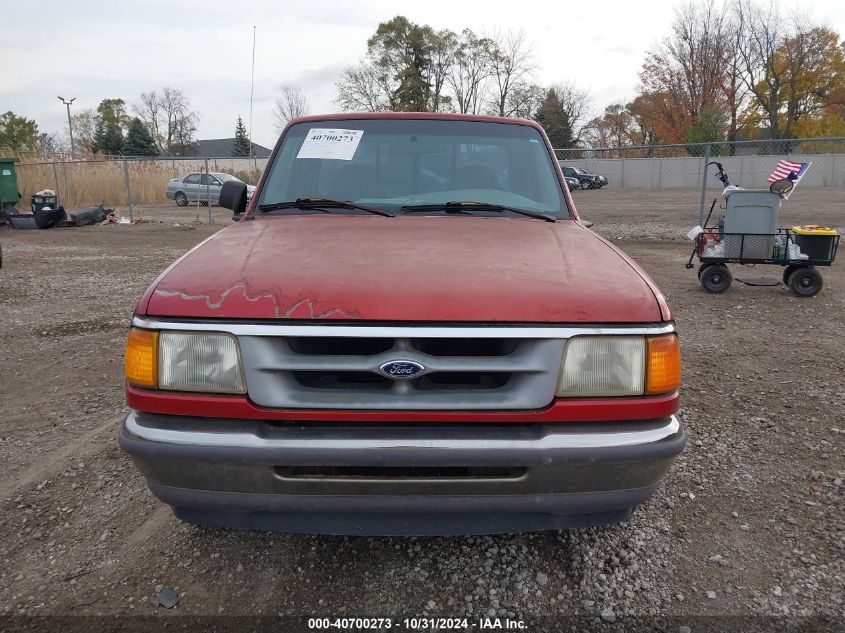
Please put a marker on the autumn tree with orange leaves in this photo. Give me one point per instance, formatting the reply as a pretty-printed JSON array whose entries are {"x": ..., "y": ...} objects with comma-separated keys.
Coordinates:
[
  {"x": 686, "y": 73},
  {"x": 733, "y": 70}
]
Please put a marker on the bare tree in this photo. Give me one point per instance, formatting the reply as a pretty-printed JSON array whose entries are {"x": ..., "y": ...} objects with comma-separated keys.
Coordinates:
[
  {"x": 762, "y": 34},
  {"x": 736, "y": 93},
  {"x": 183, "y": 133},
  {"x": 164, "y": 114},
  {"x": 576, "y": 104},
  {"x": 524, "y": 100},
  {"x": 689, "y": 66},
  {"x": 148, "y": 109},
  {"x": 614, "y": 129},
  {"x": 49, "y": 144},
  {"x": 442, "y": 50},
  {"x": 512, "y": 65},
  {"x": 84, "y": 125},
  {"x": 470, "y": 71},
  {"x": 361, "y": 89},
  {"x": 290, "y": 103},
  {"x": 177, "y": 112}
]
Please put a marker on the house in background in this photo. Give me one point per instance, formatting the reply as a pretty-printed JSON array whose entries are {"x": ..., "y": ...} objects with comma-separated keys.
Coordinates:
[{"x": 221, "y": 148}]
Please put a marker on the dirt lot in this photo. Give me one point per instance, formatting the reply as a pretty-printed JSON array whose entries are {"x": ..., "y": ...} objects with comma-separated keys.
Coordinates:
[{"x": 751, "y": 521}]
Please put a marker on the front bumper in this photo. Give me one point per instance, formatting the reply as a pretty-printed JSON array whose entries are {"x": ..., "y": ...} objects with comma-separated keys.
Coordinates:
[
  {"x": 171, "y": 195},
  {"x": 400, "y": 478}
]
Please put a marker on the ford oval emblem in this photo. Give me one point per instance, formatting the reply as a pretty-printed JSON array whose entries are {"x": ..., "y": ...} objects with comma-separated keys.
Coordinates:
[{"x": 401, "y": 369}]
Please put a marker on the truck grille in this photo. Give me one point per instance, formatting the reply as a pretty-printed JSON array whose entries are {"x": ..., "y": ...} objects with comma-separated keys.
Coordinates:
[{"x": 338, "y": 372}]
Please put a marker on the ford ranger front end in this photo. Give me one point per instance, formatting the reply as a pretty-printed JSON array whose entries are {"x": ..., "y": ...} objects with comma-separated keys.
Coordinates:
[{"x": 408, "y": 332}]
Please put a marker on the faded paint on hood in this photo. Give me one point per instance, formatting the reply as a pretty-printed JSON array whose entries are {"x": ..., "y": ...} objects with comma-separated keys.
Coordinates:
[{"x": 422, "y": 268}]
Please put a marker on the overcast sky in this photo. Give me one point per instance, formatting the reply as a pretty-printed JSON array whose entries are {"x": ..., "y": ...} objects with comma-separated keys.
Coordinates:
[{"x": 94, "y": 49}]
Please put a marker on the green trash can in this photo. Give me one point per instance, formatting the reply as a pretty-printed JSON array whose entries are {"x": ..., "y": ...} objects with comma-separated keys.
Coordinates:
[{"x": 9, "y": 194}]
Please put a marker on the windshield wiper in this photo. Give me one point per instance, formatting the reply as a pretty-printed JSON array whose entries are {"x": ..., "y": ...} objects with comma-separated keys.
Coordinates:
[
  {"x": 316, "y": 202},
  {"x": 462, "y": 206}
]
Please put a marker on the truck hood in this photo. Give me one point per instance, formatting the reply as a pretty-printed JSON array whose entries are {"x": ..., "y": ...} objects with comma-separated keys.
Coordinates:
[{"x": 422, "y": 268}]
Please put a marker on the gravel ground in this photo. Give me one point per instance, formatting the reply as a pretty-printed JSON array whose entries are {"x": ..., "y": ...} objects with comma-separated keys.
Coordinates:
[{"x": 750, "y": 522}]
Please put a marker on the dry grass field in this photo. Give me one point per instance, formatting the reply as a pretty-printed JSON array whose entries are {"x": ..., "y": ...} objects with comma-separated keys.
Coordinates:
[{"x": 85, "y": 183}]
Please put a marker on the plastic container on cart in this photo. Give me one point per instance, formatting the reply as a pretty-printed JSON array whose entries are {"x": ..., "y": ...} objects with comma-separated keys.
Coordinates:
[
  {"x": 750, "y": 211},
  {"x": 817, "y": 242}
]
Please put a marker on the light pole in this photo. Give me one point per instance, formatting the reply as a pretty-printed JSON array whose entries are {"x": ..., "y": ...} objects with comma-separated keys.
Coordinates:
[{"x": 69, "y": 126}]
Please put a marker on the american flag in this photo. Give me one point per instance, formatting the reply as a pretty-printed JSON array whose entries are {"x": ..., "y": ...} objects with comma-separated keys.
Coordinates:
[{"x": 789, "y": 169}]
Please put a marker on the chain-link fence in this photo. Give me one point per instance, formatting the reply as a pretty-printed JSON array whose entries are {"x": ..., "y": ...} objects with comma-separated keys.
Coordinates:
[
  {"x": 684, "y": 166},
  {"x": 128, "y": 182}
]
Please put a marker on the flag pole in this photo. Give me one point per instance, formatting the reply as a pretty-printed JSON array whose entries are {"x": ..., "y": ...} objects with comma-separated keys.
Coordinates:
[{"x": 251, "y": 91}]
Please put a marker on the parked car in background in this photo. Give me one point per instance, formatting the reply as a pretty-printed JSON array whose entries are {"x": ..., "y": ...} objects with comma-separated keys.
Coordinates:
[
  {"x": 573, "y": 183},
  {"x": 585, "y": 179},
  {"x": 199, "y": 187},
  {"x": 600, "y": 181}
]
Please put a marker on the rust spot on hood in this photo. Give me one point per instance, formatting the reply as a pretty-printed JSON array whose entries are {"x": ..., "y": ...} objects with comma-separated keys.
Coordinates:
[{"x": 264, "y": 304}]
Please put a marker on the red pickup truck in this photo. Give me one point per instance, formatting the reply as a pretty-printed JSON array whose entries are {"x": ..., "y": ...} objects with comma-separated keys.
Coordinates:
[{"x": 408, "y": 331}]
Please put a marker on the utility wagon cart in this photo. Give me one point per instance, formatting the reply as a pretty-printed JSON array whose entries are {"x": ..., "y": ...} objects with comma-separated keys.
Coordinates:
[
  {"x": 799, "y": 250},
  {"x": 748, "y": 234}
]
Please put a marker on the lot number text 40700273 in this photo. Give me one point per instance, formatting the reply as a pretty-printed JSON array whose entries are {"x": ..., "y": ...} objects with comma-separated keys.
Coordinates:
[{"x": 416, "y": 624}]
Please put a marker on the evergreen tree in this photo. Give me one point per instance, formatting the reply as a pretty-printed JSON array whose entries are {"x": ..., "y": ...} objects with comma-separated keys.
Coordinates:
[
  {"x": 553, "y": 117},
  {"x": 241, "y": 145},
  {"x": 139, "y": 141},
  {"x": 108, "y": 139}
]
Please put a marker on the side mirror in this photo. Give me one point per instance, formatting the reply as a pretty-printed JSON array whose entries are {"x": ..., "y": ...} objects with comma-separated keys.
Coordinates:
[
  {"x": 233, "y": 196},
  {"x": 782, "y": 187}
]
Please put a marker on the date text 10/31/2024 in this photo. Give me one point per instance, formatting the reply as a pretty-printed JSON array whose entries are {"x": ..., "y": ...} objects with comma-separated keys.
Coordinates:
[{"x": 416, "y": 624}]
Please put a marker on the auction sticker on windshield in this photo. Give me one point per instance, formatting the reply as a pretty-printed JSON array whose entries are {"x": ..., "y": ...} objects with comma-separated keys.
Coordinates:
[{"x": 332, "y": 144}]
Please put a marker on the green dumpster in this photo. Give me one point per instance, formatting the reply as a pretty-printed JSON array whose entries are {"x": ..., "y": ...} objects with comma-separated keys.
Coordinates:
[{"x": 9, "y": 195}]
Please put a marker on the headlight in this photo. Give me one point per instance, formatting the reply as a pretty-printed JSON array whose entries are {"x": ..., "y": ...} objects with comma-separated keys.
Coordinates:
[
  {"x": 184, "y": 361},
  {"x": 595, "y": 366}
]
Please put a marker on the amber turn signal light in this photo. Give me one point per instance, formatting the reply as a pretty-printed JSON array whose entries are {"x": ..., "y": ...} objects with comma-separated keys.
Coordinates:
[
  {"x": 142, "y": 358},
  {"x": 663, "y": 368}
]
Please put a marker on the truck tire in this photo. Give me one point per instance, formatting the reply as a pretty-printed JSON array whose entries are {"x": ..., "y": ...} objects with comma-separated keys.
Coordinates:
[
  {"x": 181, "y": 199},
  {"x": 716, "y": 278},
  {"x": 805, "y": 281}
]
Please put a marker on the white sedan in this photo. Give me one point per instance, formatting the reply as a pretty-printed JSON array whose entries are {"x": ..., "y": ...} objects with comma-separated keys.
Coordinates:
[{"x": 199, "y": 187}]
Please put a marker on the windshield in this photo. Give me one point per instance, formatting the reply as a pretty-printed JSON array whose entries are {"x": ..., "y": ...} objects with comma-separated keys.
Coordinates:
[{"x": 394, "y": 163}]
